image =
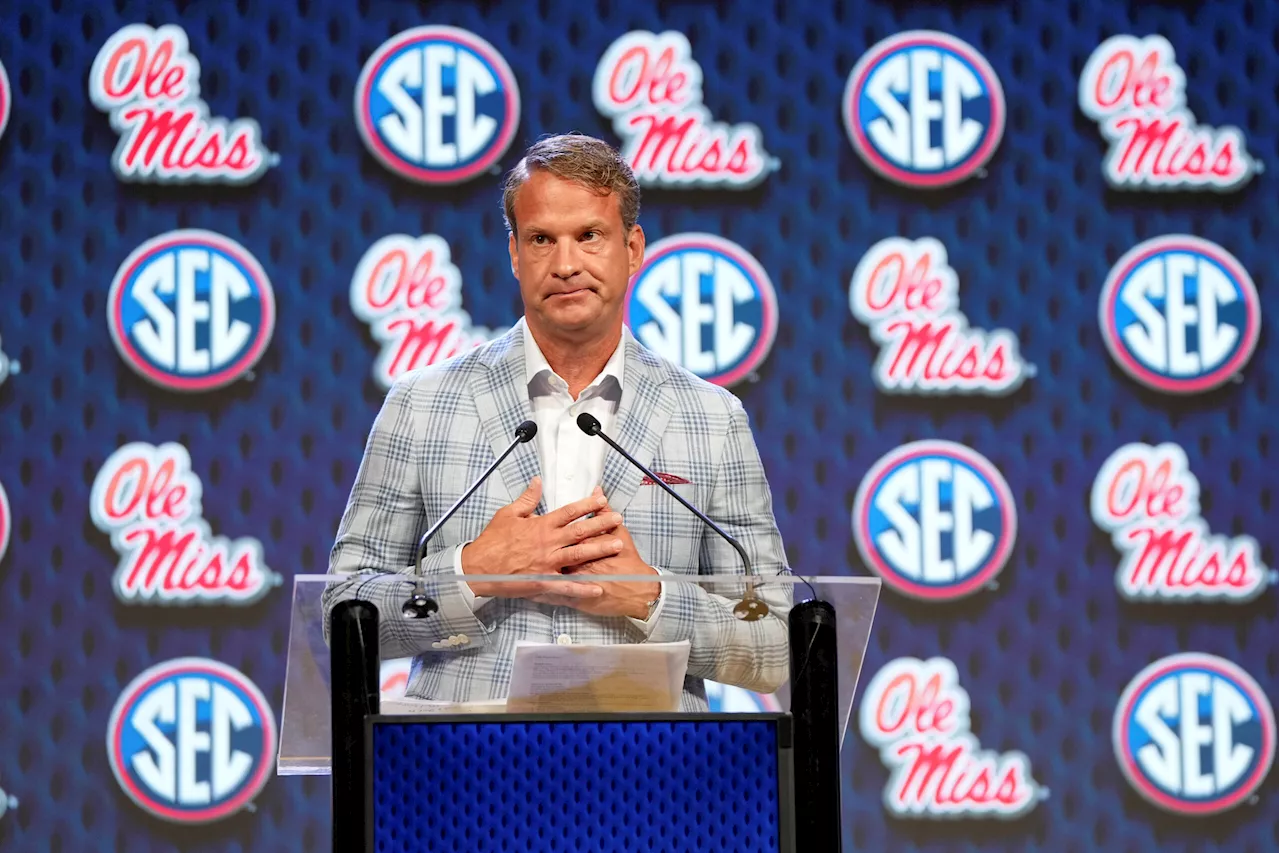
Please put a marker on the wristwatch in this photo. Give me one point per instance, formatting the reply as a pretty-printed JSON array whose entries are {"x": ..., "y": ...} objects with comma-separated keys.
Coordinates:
[{"x": 653, "y": 605}]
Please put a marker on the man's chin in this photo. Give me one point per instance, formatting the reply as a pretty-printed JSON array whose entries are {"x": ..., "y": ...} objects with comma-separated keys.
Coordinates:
[
  {"x": 576, "y": 323},
  {"x": 574, "y": 326}
]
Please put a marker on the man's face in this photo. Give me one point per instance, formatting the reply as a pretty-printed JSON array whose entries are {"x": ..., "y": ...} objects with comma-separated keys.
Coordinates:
[{"x": 572, "y": 258}]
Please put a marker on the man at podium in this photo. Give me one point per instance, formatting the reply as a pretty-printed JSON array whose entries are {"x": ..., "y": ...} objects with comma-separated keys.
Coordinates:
[{"x": 564, "y": 502}]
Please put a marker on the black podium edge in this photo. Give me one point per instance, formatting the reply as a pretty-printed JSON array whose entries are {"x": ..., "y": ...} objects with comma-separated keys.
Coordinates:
[{"x": 783, "y": 728}]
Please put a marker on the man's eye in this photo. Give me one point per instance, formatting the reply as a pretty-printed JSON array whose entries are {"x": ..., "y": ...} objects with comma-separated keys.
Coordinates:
[
  {"x": 589, "y": 235},
  {"x": 539, "y": 239}
]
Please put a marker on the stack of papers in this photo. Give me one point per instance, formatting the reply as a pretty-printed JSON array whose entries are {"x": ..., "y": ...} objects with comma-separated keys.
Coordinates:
[
  {"x": 554, "y": 679},
  {"x": 548, "y": 678}
]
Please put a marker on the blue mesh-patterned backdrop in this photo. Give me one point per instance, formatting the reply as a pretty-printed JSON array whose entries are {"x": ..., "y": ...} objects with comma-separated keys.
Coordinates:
[
  {"x": 1044, "y": 652},
  {"x": 525, "y": 786}
]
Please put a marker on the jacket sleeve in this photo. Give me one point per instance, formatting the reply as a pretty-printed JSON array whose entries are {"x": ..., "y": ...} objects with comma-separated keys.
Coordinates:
[
  {"x": 751, "y": 655},
  {"x": 378, "y": 536}
]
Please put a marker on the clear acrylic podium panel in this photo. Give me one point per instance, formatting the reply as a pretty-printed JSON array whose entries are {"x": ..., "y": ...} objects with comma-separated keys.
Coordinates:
[{"x": 305, "y": 740}]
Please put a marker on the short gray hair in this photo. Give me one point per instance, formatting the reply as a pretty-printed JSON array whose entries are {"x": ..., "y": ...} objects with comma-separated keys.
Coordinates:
[{"x": 582, "y": 159}]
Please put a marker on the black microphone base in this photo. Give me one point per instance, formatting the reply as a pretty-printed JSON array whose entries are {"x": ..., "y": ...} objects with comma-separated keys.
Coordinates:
[
  {"x": 419, "y": 606},
  {"x": 816, "y": 717},
  {"x": 354, "y": 663}
]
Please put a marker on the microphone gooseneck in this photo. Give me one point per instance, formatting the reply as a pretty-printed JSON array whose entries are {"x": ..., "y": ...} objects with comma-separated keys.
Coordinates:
[
  {"x": 751, "y": 608},
  {"x": 420, "y": 605}
]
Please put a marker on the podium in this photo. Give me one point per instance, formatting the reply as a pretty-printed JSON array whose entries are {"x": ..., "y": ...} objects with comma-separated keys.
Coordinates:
[{"x": 464, "y": 772}]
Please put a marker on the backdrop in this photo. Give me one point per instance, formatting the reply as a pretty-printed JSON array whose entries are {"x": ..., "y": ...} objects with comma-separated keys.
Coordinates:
[{"x": 1021, "y": 160}]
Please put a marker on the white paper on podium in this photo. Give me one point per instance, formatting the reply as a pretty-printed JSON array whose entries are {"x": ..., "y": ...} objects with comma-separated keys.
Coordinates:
[
  {"x": 409, "y": 705},
  {"x": 551, "y": 678}
]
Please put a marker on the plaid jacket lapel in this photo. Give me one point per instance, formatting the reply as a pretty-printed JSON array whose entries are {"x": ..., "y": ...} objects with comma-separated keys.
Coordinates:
[
  {"x": 502, "y": 401},
  {"x": 641, "y": 420}
]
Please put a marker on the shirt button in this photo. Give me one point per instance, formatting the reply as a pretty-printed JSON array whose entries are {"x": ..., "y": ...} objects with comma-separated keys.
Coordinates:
[{"x": 564, "y": 640}]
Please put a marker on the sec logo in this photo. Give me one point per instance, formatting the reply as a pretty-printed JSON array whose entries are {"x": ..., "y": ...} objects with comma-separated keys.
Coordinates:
[
  {"x": 935, "y": 520},
  {"x": 6, "y": 99},
  {"x": 1194, "y": 734},
  {"x": 924, "y": 109},
  {"x": 191, "y": 310},
  {"x": 6, "y": 522},
  {"x": 437, "y": 105},
  {"x": 191, "y": 740},
  {"x": 8, "y": 366},
  {"x": 1179, "y": 314},
  {"x": 706, "y": 304}
]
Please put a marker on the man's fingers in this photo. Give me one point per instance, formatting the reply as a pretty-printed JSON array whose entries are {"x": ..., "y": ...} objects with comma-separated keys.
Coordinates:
[
  {"x": 593, "y": 549},
  {"x": 599, "y": 491},
  {"x": 572, "y": 512},
  {"x": 528, "y": 500},
  {"x": 586, "y": 528},
  {"x": 557, "y": 600},
  {"x": 571, "y": 591}
]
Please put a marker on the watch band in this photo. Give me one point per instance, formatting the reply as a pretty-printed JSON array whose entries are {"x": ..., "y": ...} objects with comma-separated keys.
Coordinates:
[{"x": 653, "y": 605}]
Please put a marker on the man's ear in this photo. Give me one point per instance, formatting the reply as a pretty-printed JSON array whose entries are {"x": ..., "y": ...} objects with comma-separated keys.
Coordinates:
[
  {"x": 511, "y": 250},
  {"x": 635, "y": 249}
]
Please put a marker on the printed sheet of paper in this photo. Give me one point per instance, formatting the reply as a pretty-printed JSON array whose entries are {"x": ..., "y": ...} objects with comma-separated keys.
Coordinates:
[{"x": 623, "y": 677}]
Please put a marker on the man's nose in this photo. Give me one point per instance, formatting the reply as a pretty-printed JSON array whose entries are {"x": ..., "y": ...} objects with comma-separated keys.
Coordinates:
[{"x": 567, "y": 261}]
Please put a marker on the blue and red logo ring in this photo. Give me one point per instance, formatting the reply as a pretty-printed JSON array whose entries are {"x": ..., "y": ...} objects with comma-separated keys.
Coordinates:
[
  {"x": 939, "y": 41},
  {"x": 890, "y": 462},
  {"x": 215, "y": 242},
  {"x": 1139, "y": 255},
  {"x": 717, "y": 245},
  {"x": 1179, "y": 663},
  {"x": 214, "y": 671},
  {"x": 393, "y": 161}
]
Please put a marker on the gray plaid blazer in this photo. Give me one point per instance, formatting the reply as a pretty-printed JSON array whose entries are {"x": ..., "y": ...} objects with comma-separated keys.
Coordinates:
[{"x": 441, "y": 426}]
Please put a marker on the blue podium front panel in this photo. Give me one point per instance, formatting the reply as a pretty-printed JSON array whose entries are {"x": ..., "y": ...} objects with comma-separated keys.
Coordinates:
[{"x": 562, "y": 785}]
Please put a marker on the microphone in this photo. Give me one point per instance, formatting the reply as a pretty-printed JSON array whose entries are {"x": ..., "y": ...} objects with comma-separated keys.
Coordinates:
[
  {"x": 750, "y": 608},
  {"x": 420, "y": 605}
]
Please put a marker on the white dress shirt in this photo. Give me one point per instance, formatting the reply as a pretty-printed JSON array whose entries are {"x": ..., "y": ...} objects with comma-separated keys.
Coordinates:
[{"x": 572, "y": 462}]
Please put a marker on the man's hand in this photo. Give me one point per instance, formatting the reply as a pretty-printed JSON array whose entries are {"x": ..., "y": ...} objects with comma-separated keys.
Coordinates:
[
  {"x": 621, "y": 598},
  {"x": 517, "y": 542}
]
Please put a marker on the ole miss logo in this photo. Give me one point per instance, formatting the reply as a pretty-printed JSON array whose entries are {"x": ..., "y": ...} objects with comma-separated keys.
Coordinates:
[
  {"x": 1136, "y": 92},
  {"x": 917, "y": 715},
  {"x": 410, "y": 293},
  {"x": 191, "y": 310},
  {"x": 705, "y": 304},
  {"x": 1149, "y": 501},
  {"x": 934, "y": 520},
  {"x": 907, "y": 294},
  {"x": 1180, "y": 314},
  {"x": 650, "y": 85},
  {"x": 437, "y": 105},
  {"x": 148, "y": 82},
  {"x": 924, "y": 109},
  {"x": 191, "y": 740},
  {"x": 1194, "y": 734},
  {"x": 147, "y": 499}
]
